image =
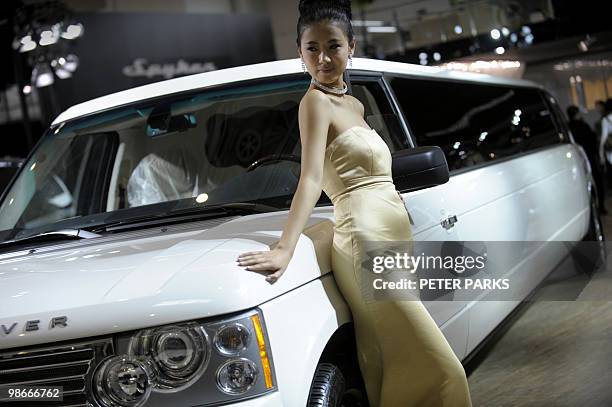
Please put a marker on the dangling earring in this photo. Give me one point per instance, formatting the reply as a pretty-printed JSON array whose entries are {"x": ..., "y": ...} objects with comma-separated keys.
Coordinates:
[
  {"x": 303, "y": 66},
  {"x": 350, "y": 60}
]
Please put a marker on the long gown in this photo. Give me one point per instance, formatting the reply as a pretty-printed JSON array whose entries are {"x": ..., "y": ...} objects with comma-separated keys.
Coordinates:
[{"x": 404, "y": 358}]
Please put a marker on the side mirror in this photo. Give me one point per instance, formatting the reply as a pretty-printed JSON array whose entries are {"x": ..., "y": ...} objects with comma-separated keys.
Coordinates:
[{"x": 419, "y": 168}]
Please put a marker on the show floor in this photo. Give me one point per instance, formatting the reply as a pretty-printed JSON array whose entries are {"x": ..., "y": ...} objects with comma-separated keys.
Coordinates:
[{"x": 555, "y": 353}]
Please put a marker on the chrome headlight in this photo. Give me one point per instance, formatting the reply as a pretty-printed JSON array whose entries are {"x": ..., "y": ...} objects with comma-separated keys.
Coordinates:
[
  {"x": 122, "y": 382},
  {"x": 232, "y": 339},
  {"x": 211, "y": 362},
  {"x": 179, "y": 353},
  {"x": 236, "y": 376}
]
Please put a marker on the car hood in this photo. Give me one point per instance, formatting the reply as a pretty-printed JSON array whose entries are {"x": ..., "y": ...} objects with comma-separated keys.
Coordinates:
[{"x": 111, "y": 285}]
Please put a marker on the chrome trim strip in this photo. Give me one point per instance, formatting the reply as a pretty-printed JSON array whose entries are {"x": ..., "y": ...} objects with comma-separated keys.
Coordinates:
[{"x": 46, "y": 367}]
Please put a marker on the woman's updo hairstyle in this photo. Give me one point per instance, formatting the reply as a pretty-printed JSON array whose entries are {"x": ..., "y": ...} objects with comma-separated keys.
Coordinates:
[{"x": 314, "y": 11}]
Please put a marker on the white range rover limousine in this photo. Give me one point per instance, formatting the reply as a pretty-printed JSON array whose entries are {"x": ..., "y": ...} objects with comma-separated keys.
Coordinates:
[{"x": 119, "y": 235}]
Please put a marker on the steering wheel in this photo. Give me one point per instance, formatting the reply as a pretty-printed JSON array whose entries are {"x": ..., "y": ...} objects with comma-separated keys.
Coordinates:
[{"x": 272, "y": 159}]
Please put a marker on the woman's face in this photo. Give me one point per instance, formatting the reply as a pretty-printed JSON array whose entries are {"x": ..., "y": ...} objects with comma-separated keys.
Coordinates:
[{"x": 325, "y": 50}]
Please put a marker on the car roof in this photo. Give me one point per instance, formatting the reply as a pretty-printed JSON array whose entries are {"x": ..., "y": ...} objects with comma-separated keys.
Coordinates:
[{"x": 265, "y": 70}]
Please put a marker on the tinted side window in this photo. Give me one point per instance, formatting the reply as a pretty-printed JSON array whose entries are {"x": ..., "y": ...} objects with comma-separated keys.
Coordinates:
[
  {"x": 475, "y": 123},
  {"x": 378, "y": 112},
  {"x": 562, "y": 127}
]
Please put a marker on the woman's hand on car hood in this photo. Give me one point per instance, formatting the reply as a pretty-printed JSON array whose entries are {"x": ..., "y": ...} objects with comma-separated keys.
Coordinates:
[{"x": 273, "y": 262}]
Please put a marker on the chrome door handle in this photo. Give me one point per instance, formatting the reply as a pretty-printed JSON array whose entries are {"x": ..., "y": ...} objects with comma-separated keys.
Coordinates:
[{"x": 449, "y": 222}]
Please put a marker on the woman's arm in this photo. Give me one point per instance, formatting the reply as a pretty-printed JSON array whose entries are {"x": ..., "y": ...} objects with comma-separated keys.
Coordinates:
[{"x": 314, "y": 121}]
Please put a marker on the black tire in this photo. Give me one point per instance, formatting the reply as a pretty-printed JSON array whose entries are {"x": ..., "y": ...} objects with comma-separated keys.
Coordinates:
[
  {"x": 327, "y": 386},
  {"x": 595, "y": 241},
  {"x": 596, "y": 231},
  {"x": 330, "y": 389}
]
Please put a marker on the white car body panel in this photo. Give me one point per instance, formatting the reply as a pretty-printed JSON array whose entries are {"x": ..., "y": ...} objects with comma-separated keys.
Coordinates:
[
  {"x": 300, "y": 323},
  {"x": 262, "y": 70},
  {"x": 113, "y": 287},
  {"x": 150, "y": 278}
]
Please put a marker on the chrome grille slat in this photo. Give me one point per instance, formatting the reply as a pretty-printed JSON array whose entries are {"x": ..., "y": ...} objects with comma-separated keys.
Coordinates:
[
  {"x": 43, "y": 367},
  {"x": 70, "y": 366},
  {"x": 21, "y": 356},
  {"x": 51, "y": 382},
  {"x": 72, "y": 392}
]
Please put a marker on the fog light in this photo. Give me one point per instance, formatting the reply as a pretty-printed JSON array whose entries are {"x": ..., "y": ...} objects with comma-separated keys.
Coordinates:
[
  {"x": 236, "y": 376},
  {"x": 121, "y": 381},
  {"x": 232, "y": 339}
]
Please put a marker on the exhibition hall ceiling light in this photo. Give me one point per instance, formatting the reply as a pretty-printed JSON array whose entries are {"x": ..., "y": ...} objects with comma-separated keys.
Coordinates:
[
  {"x": 65, "y": 66},
  {"x": 367, "y": 23},
  {"x": 586, "y": 43},
  {"x": 423, "y": 58},
  {"x": 581, "y": 64},
  {"x": 44, "y": 71},
  {"x": 42, "y": 75},
  {"x": 44, "y": 30},
  {"x": 382, "y": 29},
  {"x": 481, "y": 66},
  {"x": 26, "y": 44},
  {"x": 45, "y": 36},
  {"x": 49, "y": 35},
  {"x": 73, "y": 31},
  {"x": 575, "y": 79},
  {"x": 500, "y": 40},
  {"x": 59, "y": 70},
  {"x": 500, "y": 33}
]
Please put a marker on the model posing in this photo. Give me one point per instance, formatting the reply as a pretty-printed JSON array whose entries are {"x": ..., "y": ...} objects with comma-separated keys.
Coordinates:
[{"x": 403, "y": 356}]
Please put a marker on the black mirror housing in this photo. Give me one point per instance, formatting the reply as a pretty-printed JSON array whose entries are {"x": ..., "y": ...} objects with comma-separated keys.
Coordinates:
[{"x": 419, "y": 168}]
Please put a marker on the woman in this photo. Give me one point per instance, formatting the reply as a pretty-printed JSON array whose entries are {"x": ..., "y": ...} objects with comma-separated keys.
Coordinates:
[{"x": 403, "y": 356}]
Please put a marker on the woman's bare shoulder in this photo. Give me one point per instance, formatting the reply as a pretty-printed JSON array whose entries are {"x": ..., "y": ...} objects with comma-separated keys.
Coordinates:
[
  {"x": 315, "y": 103},
  {"x": 314, "y": 96}
]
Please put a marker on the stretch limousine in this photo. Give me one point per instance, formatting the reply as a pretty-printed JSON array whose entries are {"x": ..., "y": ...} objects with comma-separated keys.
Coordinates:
[{"x": 120, "y": 232}]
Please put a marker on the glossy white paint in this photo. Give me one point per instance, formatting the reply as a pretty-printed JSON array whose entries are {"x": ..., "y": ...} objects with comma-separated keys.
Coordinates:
[
  {"x": 107, "y": 286},
  {"x": 300, "y": 324},
  {"x": 539, "y": 197},
  {"x": 262, "y": 70},
  {"x": 164, "y": 278},
  {"x": 269, "y": 400}
]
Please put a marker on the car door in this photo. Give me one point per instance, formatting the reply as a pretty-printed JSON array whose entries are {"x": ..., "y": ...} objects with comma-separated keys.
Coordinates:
[
  {"x": 428, "y": 208},
  {"x": 509, "y": 179}
]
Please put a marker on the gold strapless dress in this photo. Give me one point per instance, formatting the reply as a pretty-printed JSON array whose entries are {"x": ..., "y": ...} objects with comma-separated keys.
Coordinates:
[{"x": 403, "y": 356}]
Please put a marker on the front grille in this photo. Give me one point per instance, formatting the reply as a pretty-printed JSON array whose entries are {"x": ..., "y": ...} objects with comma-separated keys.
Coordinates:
[{"x": 69, "y": 366}]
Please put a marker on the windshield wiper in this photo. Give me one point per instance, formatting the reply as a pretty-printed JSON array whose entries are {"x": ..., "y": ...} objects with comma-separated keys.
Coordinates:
[
  {"x": 63, "y": 234},
  {"x": 186, "y": 215}
]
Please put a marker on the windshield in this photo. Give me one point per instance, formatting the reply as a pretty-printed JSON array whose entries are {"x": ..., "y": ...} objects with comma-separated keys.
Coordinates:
[{"x": 225, "y": 145}]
